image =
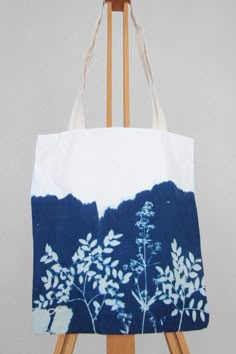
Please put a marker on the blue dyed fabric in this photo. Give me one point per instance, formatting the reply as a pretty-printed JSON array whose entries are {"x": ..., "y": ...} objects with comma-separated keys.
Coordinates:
[{"x": 138, "y": 269}]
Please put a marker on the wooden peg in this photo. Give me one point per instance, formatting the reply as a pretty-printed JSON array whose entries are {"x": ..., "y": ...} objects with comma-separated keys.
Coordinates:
[{"x": 118, "y": 5}]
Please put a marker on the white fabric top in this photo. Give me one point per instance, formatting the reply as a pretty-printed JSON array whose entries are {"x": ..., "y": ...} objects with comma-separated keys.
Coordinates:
[{"x": 109, "y": 165}]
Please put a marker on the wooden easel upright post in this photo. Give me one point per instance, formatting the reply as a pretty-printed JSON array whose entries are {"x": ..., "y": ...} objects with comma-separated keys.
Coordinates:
[{"x": 120, "y": 344}]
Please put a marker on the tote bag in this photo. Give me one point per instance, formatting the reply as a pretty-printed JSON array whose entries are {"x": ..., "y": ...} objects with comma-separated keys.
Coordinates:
[{"x": 115, "y": 226}]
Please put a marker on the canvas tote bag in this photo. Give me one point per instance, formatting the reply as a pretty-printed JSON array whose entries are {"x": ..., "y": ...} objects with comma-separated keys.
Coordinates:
[{"x": 115, "y": 226}]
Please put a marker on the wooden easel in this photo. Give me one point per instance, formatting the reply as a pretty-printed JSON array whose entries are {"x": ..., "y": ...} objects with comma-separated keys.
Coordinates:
[{"x": 120, "y": 344}]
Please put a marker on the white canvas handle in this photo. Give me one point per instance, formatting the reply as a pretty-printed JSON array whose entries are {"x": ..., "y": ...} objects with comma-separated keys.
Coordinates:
[{"x": 77, "y": 119}]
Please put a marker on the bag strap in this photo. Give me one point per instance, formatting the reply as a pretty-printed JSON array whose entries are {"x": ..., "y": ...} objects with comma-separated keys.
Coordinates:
[{"x": 77, "y": 119}]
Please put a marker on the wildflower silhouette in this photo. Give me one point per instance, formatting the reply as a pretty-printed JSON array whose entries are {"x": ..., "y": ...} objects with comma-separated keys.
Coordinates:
[
  {"x": 147, "y": 250},
  {"x": 177, "y": 287},
  {"x": 93, "y": 274},
  {"x": 96, "y": 279}
]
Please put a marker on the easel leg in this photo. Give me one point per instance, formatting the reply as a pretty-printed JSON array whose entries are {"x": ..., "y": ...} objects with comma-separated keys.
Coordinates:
[
  {"x": 126, "y": 88},
  {"x": 65, "y": 343},
  {"x": 120, "y": 344},
  {"x": 109, "y": 63},
  {"x": 176, "y": 343}
]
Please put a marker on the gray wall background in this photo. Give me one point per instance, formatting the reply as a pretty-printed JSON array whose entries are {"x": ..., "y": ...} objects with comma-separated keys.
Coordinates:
[{"x": 193, "y": 51}]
